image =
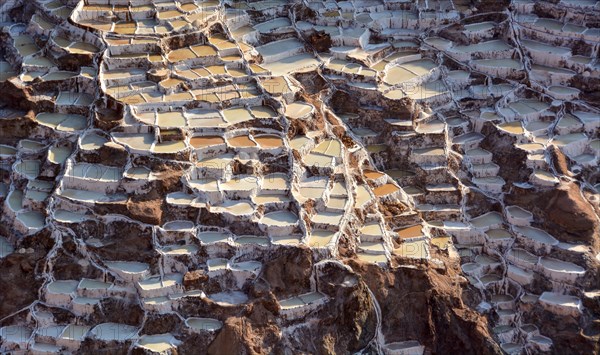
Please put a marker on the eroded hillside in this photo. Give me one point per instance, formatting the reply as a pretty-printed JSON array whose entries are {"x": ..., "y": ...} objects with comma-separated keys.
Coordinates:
[{"x": 364, "y": 176}]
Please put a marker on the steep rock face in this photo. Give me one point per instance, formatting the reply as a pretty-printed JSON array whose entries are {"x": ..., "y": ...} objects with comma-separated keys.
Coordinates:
[
  {"x": 560, "y": 161},
  {"x": 110, "y": 154},
  {"x": 320, "y": 40},
  {"x": 149, "y": 206},
  {"x": 256, "y": 332},
  {"x": 20, "y": 279},
  {"x": 288, "y": 272},
  {"x": 69, "y": 265},
  {"x": 341, "y": 196},
  {"x": 125, "y": 241},
  {"x": 112, "y": 347},
  {"x": 589, "y": 87},
  {"x": 562, "y": 210},
  {"x": 119, "y": 311},
  {"x": 17, "y": 127},
  {"x": 195, "y": 279},
  {"x": 512, "y": 161},
  {"x": 232, "y": 338},
  {"x": 19, "y": 97},
  {"x": 352, "y": 313},
  {"x": 421, "y": 304},
  {"x": 491, "y": 5},
  {"x": 569, "y": 337},
  {"x": 161, "y": 324},
  {"x": 347, "y": 323},
  {"x": 478, "y": 204}
]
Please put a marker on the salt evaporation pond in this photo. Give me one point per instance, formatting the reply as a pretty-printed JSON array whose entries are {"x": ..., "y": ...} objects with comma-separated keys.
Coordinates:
[{"x": 115, "y": 332}]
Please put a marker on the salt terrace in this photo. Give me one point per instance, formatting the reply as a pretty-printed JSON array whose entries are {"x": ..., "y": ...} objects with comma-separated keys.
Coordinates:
[{"x": 172, "y": 150}]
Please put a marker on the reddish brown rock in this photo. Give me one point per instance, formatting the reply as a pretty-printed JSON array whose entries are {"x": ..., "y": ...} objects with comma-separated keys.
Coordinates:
[
  {"x": 230, "y": 339},
  {"x": 162, "y": 323},
  {"x": 19, "y": 284},
  {"x": 147, "y": 211},
  {"x": 562, "y": 212},
  {"x": 421, "y": 304},
  {"x": 510, "y": 159},
  {"x": 125, "y": 241},
  {"x": 193, "y": 280},
  {"x": 288, "y": 271},
  {"x": 320, "y": 41},
  {"x": 559, "y": 160},
  {"x": 113, "y": 154}
]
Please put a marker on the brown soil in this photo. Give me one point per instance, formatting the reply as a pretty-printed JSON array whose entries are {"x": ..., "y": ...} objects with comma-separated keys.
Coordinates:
[{"x": 146, "y": 209}]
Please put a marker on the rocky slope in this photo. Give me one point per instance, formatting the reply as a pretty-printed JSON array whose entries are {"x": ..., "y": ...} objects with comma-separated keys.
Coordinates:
[{"x": 252, "y": 177}]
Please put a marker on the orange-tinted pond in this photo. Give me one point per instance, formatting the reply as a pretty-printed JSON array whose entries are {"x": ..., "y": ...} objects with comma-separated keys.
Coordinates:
[
  {"x": 241, "y": 141},
  {"x": 384, "y": 190},
  {"x": 410, "y": 232},
  {"x": 205, "y": 141},
  {"x": 269, "y": 141},
  {"x": 372, "y": 174}
]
